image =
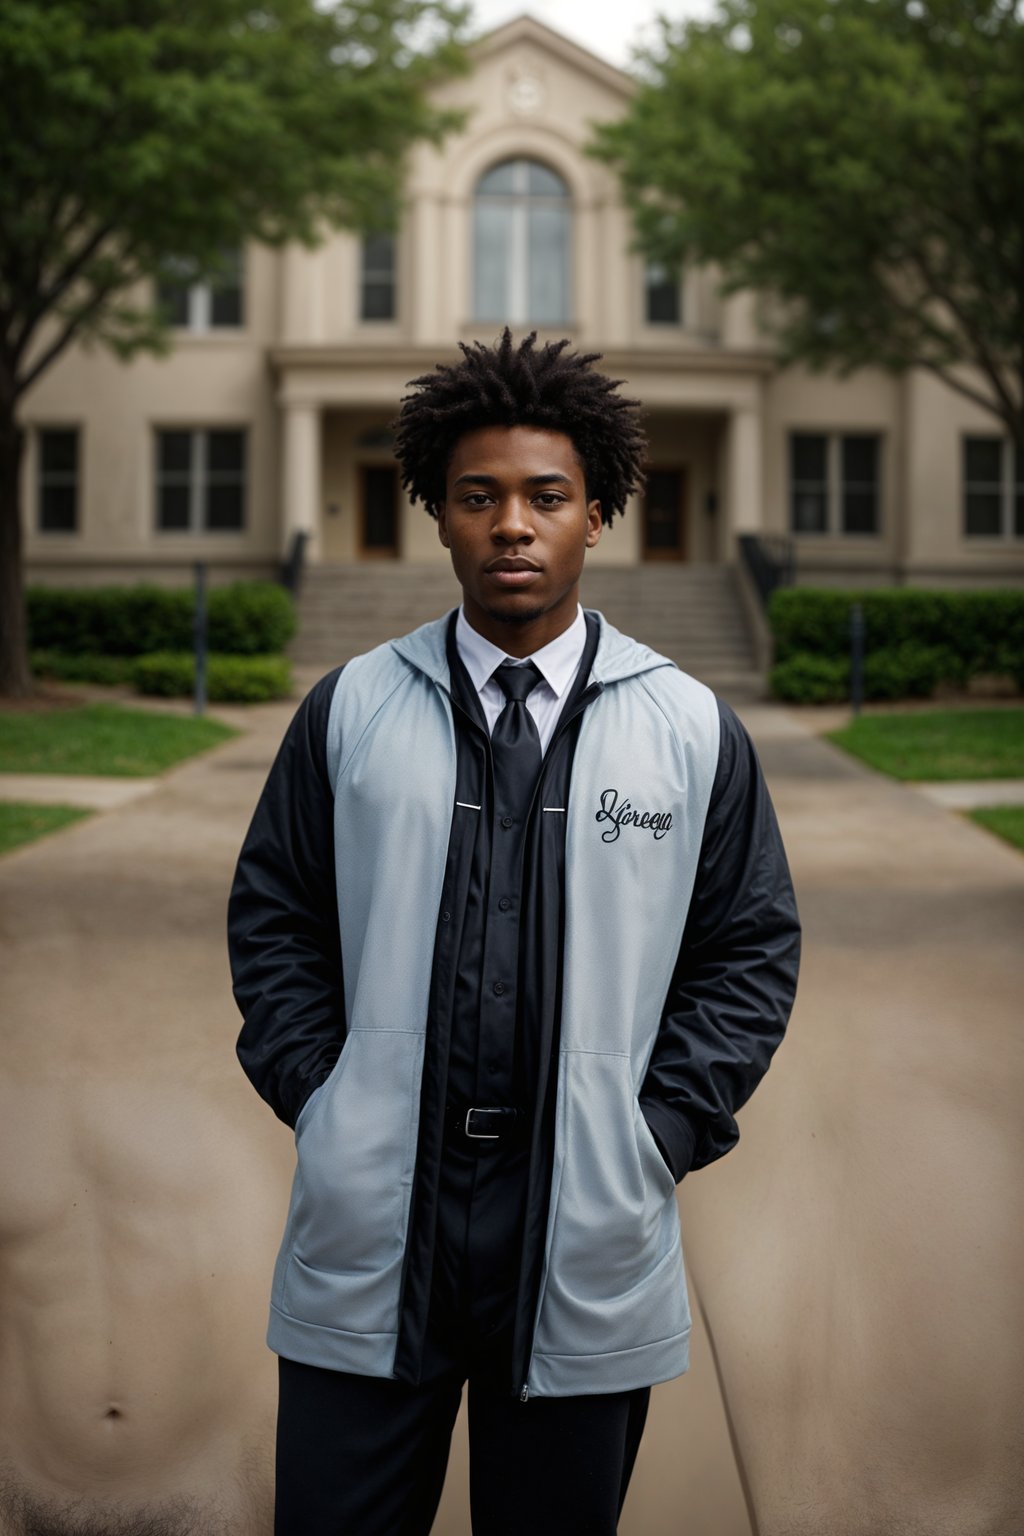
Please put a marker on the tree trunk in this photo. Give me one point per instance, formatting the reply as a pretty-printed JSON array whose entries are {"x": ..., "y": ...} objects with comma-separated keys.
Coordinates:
[{"x": 15, "y": 673}]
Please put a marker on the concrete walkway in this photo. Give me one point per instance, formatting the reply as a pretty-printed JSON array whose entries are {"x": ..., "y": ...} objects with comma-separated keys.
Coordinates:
[
  {"x": 90, "y": 792},
  {"x": 971, "y": 794},
  {"x": 113, "y": 936}
]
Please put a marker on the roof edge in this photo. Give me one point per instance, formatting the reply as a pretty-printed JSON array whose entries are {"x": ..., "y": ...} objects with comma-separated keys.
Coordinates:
[{"x": 527, "y": 27}]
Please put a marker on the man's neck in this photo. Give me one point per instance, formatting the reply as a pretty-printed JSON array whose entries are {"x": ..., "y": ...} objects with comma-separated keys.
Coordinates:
[{"x": 523, "y": 637}]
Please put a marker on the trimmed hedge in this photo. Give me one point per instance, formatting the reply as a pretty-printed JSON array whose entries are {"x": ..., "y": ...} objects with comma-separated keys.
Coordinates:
[
  {"x": 86, "y": 667},
  {"x": 229, "y": 679},
  {"x": 915, "y": 640},
  {"x": 246, "y": 618},
  {"x": 809, "y": 679}
]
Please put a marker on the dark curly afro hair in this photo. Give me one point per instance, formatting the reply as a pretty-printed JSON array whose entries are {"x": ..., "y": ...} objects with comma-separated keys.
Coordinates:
[{"x": 521, "y": 386}]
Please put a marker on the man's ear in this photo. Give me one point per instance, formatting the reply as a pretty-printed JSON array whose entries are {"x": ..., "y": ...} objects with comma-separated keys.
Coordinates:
[
  {"x": 442, "y": 527},
  {"x": 595, "y": 523}
]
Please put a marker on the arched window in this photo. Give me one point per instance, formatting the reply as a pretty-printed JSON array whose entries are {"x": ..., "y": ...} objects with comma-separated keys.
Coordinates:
[{"x": 521, "y": 238}]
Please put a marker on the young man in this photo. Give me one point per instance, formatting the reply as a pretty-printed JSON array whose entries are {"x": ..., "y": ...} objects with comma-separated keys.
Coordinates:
[{"x": 513, "y": 937}]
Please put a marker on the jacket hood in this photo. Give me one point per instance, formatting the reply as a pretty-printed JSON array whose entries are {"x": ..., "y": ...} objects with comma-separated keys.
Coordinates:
[{"x": 618, "y": 656}]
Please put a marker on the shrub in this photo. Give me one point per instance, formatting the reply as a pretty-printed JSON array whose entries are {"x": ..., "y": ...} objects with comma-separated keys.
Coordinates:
[
  {"x": 246, "y": 618},
  {"x": 83, "y": 668},
  {"x": 250, "y": 618},
  {"x": 907, "y": 671},
  {"x": 109, "y": 621},
  {"x": 234, "y": 679},
  {"x": 915, "y": 639},
  {"x": 808, "y": 679},
  {"x": 910, "y": 671}
]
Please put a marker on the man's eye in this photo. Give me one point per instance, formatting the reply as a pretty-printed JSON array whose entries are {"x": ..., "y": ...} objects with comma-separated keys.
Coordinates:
[
  {"x": 550, "y": 499},
  {"x": 476, "y": 499}
]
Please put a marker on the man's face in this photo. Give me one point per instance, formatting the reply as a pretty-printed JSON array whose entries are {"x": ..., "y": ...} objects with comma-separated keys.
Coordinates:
[{"x": 517, "y": 522}]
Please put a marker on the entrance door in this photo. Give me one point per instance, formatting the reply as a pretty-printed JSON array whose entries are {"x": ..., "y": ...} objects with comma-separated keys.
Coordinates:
[
  {"x": 378, "y": 512},
  {"x": 665, "y": 514}
]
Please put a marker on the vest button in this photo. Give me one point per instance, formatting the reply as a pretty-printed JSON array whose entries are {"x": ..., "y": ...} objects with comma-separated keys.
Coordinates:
[
  {"x": 446, "y": 917},
  {"x": 504, "y": 904},
  {"x": 499, "y": 988},
  {"x": 506, "y": 822}
]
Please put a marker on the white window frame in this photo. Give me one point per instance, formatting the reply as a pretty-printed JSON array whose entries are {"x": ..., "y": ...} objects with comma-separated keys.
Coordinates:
[
  {"x": 197, "y": 477},
  {"x": 199, "y": 300},
  {"x": 60, "y": 477},
  {"x": 649, "y": 271},
  {"x": 1008, "y": 490},
  {"x": 834, "y": 484},
  {"x": 370, "y": 275},
  {"x": 519, "y": 202}
]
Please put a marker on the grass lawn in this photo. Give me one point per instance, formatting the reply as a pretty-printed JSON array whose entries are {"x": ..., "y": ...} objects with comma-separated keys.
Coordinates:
[
  {"x": 939, "y": 744},
  {"x": 103, "y": 739},
  {"x": 24, "y": 823},
  {"x": 1005, "y": 821}
]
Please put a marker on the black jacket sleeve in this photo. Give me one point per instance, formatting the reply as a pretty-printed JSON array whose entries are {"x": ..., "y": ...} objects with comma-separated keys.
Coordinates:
[
  {"x": 735, "y": 977},
  {"x": 283, "y": 921}
]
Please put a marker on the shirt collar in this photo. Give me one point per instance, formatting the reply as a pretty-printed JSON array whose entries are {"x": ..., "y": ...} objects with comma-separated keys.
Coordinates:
[{"x": 557, "y": 661}]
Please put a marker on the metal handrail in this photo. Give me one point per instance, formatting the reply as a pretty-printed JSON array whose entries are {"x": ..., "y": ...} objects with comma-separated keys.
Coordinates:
[
  {"x": 771, "y": 562},
  {"x": 290, "y": 574}
]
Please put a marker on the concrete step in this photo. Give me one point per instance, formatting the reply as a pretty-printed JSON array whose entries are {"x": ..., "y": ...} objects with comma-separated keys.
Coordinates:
[{"x": 690, "y": 613}]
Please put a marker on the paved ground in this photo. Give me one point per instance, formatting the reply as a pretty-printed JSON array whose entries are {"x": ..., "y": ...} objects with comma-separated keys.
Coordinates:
[
  {"x": 93, "y": 793},
  {"x": 966, "y": 795},
  {"x": 120, "y": 919}
]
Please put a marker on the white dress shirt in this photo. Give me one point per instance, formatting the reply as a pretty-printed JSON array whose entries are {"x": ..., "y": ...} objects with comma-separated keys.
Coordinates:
[{"x": 557, "y": 662}]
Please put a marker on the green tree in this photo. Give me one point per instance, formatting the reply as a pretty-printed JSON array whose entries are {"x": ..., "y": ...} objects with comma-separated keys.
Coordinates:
[
  {"x": 138, "y": 130},
  {"x": 861, "y": 164}
]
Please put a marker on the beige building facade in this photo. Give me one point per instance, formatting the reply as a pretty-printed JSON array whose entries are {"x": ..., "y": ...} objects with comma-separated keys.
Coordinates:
[{"x": 270, "y": 415}]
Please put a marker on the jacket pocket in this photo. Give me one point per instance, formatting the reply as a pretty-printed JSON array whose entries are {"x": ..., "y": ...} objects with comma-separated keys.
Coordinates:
[
  {"x": 356, "y": 1140},
  {"x": 305, "y": 1113},
  {"x": 614, "y": 1274},
  {"x": 656, "y": 1171}
]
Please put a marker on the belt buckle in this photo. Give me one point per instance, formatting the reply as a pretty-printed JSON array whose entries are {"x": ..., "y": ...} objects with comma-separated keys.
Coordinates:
[{"x": 479, "y": 1135}]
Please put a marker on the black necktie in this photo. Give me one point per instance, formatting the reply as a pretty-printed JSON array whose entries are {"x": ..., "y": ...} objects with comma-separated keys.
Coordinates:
[{"x": 515, "y": 744}]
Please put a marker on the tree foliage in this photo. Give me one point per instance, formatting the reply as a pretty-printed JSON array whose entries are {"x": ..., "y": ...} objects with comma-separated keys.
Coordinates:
[
  {"x": 138, "y": 130},
  {"x": 859, "y": 161}
]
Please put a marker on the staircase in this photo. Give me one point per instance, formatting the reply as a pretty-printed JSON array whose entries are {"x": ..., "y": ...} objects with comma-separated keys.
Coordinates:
[{"x": 691, "y": 613}]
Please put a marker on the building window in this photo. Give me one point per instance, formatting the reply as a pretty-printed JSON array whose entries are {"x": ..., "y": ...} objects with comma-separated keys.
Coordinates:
[
  {"x": 377, "y": 287},
  {"x": 993, "y": 489},
  {"x": 200, "y": 481},
  {"x": 58, "y": 480},
  {"x": 662, "y": 295},
  {"x": 521, "y": 238},
  {"x": 834, "y": 482},
  {"x": 192, "y": 303}
]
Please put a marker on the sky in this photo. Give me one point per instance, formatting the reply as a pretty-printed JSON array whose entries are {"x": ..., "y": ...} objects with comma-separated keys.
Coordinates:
[{"x": 607, "y": 27}]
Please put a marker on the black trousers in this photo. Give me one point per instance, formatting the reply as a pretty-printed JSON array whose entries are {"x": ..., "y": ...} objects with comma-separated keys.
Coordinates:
[{"x": 365, "y": 1456}]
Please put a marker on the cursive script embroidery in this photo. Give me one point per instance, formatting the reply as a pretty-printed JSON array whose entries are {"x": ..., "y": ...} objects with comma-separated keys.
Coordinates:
[{"x": 658, "y": 822}]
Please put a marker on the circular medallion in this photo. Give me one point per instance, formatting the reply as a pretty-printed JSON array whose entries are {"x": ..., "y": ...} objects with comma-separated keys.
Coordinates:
[{"x": 525, "y": 93}]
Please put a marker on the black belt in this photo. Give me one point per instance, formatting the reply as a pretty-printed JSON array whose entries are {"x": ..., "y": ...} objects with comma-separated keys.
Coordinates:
[{"x": 483, "y": 1124}]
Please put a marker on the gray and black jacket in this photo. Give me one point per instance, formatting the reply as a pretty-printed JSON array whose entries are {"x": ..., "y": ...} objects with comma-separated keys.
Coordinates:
[{"x": 679, "y": 960}]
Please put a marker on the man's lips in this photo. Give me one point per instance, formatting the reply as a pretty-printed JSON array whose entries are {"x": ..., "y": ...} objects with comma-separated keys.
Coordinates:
[{"x": 511, "y": 572}]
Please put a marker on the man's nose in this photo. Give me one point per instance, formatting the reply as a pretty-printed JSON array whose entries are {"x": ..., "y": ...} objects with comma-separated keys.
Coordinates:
[{"x": 513, "y": 520}]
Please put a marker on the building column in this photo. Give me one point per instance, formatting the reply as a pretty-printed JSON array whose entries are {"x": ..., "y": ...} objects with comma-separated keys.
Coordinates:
[
  {"x": 302, "y": 297},
  {"x": 745, "y": 507},
  {"x": 300, "y": 477},
  {"x": 422, "y": 276}
]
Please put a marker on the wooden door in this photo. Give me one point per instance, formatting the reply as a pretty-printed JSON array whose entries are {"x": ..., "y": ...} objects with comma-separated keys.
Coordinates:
[
  {"x": 664, "y": 513},
  {"x": 378, "y": 511}
]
